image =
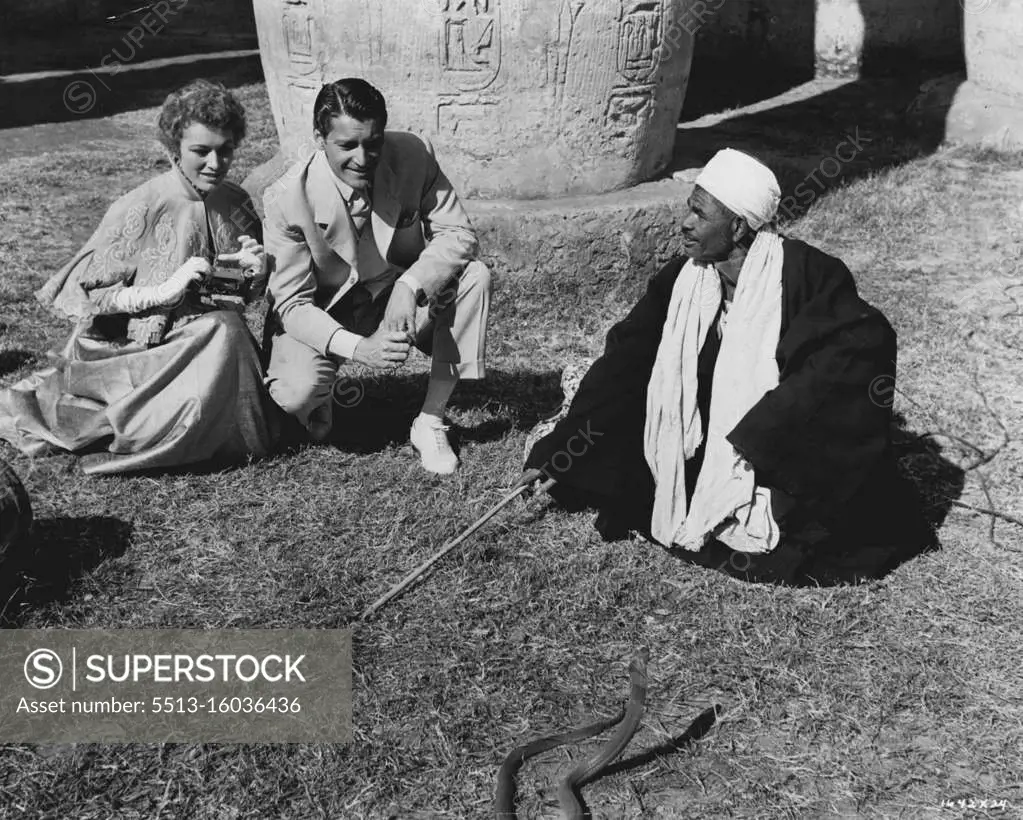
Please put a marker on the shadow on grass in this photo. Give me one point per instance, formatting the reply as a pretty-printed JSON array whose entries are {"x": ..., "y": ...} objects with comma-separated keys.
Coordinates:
[
  {"x": 56, "y": 553},
  {"x": 698, "y": 729},
  {"x": 375, "y": 412},
  {"x": 11, "y": 360},
  {"x": 831, "y": 139},
  {"x": 938, "y": 481},
  {"x": 753, "y": 52}
]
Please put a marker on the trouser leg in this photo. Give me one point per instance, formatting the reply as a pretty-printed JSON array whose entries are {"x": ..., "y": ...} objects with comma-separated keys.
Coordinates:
[
  {"x": 452, "y": 328},
  {"x": 300, "y": 379}
]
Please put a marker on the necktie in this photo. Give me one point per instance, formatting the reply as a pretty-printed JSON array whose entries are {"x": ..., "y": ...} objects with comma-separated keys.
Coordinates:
[{"x": 359, "y": 208}]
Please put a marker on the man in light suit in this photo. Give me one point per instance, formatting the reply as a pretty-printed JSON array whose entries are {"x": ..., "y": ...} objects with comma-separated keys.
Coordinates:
[{"x": 373, "y": 254}]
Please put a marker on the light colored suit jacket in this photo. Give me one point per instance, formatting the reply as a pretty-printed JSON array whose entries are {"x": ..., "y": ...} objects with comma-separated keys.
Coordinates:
[{"x": 418, "y": 223}]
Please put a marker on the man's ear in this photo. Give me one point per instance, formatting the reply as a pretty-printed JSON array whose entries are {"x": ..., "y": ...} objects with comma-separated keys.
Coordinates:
[
  {"x": 321, "y": 143},
  {"x": 741, "y": 231}
]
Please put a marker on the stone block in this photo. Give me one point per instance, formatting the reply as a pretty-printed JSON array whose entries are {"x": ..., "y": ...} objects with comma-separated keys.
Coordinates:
[{"x": 595, "y": 242}]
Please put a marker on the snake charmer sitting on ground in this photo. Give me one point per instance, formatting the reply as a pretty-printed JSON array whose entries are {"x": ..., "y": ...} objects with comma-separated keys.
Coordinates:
[{"x": 737, "y": 410}]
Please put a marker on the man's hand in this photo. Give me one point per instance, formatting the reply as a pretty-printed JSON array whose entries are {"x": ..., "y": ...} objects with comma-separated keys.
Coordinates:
[
  {"x": 384, "y": 349},
  {"x": 400, "y": 314},
  {"x": 529, "y": 479}
]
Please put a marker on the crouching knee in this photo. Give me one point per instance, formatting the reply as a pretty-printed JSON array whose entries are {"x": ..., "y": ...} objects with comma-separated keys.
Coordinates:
[
  {"x": 298, "y": 397},
  {"x": 477, "y": 276}
]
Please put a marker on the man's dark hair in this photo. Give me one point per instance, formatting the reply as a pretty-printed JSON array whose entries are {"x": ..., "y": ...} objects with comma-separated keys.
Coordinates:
[{"x": 352, "y": 96}]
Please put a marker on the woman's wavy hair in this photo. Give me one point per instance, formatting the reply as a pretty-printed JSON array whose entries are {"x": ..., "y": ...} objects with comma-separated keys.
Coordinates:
[{"x": 204, "y": 102}]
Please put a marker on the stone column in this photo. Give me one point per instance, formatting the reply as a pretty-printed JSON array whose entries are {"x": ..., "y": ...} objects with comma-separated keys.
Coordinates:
[
  {"x": 988, "y": 108},
  {"x": 523, "y": 99},
  {"x": 833, "y": 38},
  {"x": 856, "y": 37}
]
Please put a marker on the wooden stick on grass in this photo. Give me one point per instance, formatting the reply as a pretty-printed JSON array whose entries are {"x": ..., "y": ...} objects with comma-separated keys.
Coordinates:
[{"x": 423, "y": 567}]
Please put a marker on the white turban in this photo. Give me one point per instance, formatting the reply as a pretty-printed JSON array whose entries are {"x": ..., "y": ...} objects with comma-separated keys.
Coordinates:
[{"x": 745, "y": 186}]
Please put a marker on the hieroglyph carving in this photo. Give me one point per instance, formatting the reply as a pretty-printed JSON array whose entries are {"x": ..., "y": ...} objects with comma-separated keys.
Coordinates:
[
  {"x": 640, "y": 30},
  {"x": 458, "y": 118},
  {"x": 527, "y": 98},
  {"x": 470, "y": 47},
  {"x": 301, "y": 95},
  {"x": 557, "y": 58},
  {"x": 627, "y": 110},
  {"x": 299, "y": 32},
  {"x": 303, "y": 72},
  {"x": 639, "y": 35}
]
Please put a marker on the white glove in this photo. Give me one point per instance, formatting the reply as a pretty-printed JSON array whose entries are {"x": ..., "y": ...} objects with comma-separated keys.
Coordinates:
[{"x": 166, "y": 294}]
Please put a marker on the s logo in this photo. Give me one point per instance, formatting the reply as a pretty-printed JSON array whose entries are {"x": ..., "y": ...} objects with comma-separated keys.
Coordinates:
[{"x": 43, "y": 668}]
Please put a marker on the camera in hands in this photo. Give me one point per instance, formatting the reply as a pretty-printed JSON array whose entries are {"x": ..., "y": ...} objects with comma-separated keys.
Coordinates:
[{"x": 224, "y": 280}]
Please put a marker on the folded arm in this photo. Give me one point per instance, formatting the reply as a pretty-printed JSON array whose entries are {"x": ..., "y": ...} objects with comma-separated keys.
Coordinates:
[{"x": 823, "y": 429}]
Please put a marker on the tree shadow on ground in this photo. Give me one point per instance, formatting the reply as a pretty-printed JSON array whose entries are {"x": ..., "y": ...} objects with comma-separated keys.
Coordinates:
[
  {"x": 933, "y": 483},
  {"x": 373, "y": 412},
  {"x": 56, "y": 552}
]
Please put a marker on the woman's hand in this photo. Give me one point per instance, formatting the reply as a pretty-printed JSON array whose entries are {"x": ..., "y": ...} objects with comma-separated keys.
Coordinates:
[
  {"x": 252, "y": 260},
  {"x": 172, "y": 292},
  {"x": 169, "y": 294}
]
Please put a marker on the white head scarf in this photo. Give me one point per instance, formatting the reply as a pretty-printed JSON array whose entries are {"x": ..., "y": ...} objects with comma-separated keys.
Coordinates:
[{"x": 745, "y": 186}]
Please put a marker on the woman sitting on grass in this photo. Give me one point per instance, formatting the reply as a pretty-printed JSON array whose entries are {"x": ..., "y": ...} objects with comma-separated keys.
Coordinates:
[{"x": 156, "y": 373}]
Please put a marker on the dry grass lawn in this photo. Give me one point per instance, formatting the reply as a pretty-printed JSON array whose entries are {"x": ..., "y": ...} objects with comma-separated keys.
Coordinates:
[{"x": 880, "y": 700}]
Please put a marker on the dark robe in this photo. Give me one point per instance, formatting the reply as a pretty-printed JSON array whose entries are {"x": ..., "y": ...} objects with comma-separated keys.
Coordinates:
[{"x": 821, "y": 440}]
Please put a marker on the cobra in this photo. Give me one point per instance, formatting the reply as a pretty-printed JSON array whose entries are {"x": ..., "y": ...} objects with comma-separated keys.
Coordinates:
[{"x": 628, "y": 722}]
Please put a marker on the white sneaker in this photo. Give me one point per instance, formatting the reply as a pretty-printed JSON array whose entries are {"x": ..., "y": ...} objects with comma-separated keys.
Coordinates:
[{"x": 429, "y": 436}]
